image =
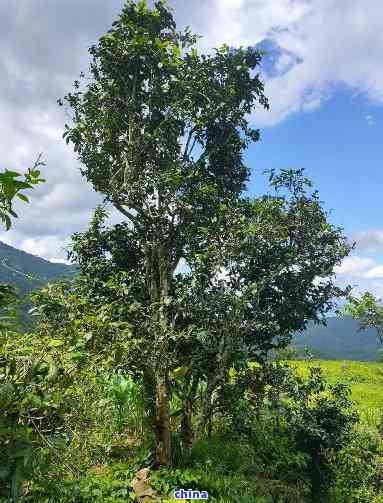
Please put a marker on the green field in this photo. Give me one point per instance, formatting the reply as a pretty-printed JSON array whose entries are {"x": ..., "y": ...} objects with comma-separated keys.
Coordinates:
[{"x": 364, "y": 378}]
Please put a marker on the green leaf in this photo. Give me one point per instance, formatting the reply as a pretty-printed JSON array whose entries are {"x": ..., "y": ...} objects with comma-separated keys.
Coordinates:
[
  {"x": 10, "y": 174},
  {"x": 77, "y": 355},
  {"x": 55, "y": 343},
  {"x": 23, "y": 197}
]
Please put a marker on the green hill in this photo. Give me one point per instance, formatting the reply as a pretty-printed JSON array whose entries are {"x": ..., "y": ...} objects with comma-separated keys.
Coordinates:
[
  {"x": 339, "y": 340},
  {"x": 27, "y": 272}
]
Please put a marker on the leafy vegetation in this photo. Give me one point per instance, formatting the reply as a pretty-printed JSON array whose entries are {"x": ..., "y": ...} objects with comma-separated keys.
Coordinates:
[
  {"x": 364, "y": 379},
  {"x": 154, "y": 368},
  {"x": 11, "y": 187}
]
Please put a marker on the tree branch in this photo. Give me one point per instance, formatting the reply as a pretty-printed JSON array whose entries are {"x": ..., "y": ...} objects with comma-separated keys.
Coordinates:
[
  {"x": 186, "y": 154},
  {"x": 126, "y": 213}
]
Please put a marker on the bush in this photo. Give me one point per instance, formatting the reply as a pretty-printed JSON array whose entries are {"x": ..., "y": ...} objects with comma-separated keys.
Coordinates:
[
  {"x": 297, "y": 426},
  {"x": 107, "y": 485},
  {"x": 32, "y": 400},
  {"x": 226, "y": 457},
  {"x": 359, "y": 470},
  {"x": 322, "y": 418}
]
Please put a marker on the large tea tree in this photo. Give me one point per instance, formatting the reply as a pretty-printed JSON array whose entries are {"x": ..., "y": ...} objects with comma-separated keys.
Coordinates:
[
  {"x": 160, "y": 130},
  {"x": 260, "y": 279}
]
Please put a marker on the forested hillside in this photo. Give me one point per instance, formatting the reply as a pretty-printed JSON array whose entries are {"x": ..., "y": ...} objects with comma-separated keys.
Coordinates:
[
  {"x": 26, "y": 271},
  {"x": 340, "y": 339}
]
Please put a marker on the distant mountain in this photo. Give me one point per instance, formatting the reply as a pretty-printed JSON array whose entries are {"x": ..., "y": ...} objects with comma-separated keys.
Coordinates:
[
  {"x": 339, "y": 340},
  {"x": 27, "y": 272}
]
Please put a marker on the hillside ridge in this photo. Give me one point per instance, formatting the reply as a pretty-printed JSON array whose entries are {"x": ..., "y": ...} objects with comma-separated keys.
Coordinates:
[
  {"x": 341, "y": 339},
  {"x": 27, "y": 272}
]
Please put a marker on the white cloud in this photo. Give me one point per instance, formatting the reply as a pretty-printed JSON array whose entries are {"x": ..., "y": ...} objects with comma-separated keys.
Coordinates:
[
  {"x": 362, "y": 273},
  {"x": 371, "y": 240},
  {"x": 49, "y": 247},
  {"x": 375, "y": 272},
  {"x": 322, "y": 43},
  {"x": 354, "y": 266}
]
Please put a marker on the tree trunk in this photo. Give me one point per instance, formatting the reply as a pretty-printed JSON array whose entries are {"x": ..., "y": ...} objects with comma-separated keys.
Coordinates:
[
  {"x": 149, "y": 384},
  {"x": 163, "y": 435},
  {"x": 186, "y": 424},
  {"x": 207, "y": 406},
  {"x": 162, "y": 430}
]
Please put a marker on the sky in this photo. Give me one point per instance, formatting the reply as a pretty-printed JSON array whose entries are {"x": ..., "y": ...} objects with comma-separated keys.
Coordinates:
[{"x": 323, "y": 76}]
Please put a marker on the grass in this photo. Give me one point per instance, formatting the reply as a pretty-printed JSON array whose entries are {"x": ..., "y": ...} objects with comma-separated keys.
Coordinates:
[{"x": 364, "y": 378}]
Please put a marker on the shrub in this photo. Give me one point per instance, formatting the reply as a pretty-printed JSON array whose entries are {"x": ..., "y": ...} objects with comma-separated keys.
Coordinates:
[
  {"x": 32, "y": 400},
  {"x": 359, "y": 469},
  {"x": 322, "y": 419},
  {"x": 107, "y": 485}
]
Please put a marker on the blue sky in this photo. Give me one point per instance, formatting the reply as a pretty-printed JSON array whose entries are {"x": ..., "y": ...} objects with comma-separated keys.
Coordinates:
[
  {"x": 323, "y": 76},
  {"x": 340, "y": 147}
]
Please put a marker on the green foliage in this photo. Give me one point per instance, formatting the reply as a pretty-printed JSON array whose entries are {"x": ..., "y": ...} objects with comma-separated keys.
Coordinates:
[
  {"x": 161, "y": 130},
  {"x": 359, "y": 470},
  {"x": 315, "y": 418},
  {"x": 127, "y": 398},
  {"x": 11, "y": 187},
  {"x": 367, "y": 310},
  {"x": 32, "y": 401},
  {"x": 228, "y": 457},
  {"x": 364, "y": 379},
  {"x": 322, "y": 414},
  {"x": 165, "y": 482},
  {"x": 321, "y": 417},
  {"x": 227, "y": 488},
  {"x": 150, "y": 89},
  {"x": 132, "y": 344},
  {"x": 109, "y": 484}
]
